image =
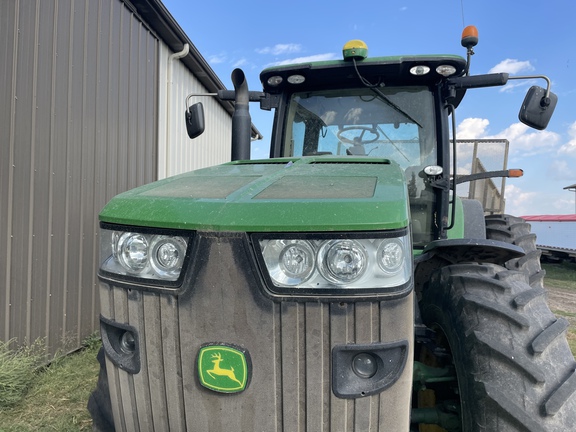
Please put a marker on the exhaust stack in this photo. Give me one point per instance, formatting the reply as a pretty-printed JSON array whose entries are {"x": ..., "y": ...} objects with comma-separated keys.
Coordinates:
[{"x": 241, "y": 121}]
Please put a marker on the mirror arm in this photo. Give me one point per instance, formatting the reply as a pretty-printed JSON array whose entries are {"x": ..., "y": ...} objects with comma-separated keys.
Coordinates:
[
  {"x": 228, "y": 95},
  {"x": 544, "y": 77},
  {"x": 191, "y": 95}
]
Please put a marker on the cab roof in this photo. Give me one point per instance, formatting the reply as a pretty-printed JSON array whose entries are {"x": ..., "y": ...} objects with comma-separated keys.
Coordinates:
[{"x": 394, "y": 70}]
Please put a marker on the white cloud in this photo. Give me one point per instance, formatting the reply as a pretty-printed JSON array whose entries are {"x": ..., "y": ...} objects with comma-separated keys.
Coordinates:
[
  {"x": 280, "y": 49},
  {"x": 560, "y": 170},
  {"x": 216, "y": 59},
  {"x": 570, "y": 147},
  {"x": 528, "y": 142},
  {"x": 312, "y": 58},
  {"x": 513, "y": 85},
  {"x": 523, "y": 140},
  {"x": 521, "y": 203},
  {"x": 240, "y": 63},
  {"x": 512, "y": 66},
  {"x": 472, "y": 128}
]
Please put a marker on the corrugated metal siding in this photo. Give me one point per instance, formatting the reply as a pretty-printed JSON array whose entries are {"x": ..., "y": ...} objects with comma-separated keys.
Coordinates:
[
  {"x": 554, "y": 234},
  {"x": 78, "y": 111},
  {"x": 183, "y": 154}
]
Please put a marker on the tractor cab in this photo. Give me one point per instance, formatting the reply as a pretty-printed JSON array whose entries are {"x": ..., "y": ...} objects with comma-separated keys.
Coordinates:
[
  {"x": 390, "y": 108},
  {"x": 394, "y": 108}
]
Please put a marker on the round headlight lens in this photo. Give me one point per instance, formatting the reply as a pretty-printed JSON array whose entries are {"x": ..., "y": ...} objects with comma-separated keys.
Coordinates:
[
  {"x": 391, "y": 256},
  {"x": 132, "y": 252},
  {"x": 168, "y": 255},
  {"x": 290, "y": 262},
  {"x": 342, "y": 261}
]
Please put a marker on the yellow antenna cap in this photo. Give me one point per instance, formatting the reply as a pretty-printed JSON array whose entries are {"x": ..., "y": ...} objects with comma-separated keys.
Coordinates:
[{"x": 355, "y": 49}]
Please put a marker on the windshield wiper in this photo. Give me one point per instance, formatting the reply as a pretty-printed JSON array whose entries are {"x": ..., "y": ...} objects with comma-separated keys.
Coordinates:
[
  {"x": 383, "y": 97},
  {"x": 392, "y": 105}
]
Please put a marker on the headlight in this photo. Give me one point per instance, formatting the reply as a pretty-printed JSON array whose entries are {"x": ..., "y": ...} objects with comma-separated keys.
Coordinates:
[
  {"x": 131, "y": 251},
  {"x": 290, "y": 262},
  {"x": 391, "y": 255},
  {"x": 146, "y": 255},
  {"x": 342, "y": 261},
  {"x": 309, "y": 263}
]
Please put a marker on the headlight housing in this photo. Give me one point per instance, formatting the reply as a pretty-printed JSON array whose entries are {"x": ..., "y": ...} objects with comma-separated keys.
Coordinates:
[
  {"x": 348, "y": 264},
  {"x": 139, "y": 253}
]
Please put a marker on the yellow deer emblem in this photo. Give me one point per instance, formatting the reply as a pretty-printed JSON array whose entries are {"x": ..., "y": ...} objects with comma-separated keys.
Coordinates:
[{"x": 217, "y": 370}]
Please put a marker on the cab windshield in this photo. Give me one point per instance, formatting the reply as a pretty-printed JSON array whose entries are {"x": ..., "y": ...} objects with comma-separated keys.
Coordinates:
[{"x": 395, "y": 123}]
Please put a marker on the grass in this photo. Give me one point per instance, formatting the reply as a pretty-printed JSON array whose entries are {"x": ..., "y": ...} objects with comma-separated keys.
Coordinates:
[
  {"x": 56, "y": 400},
  {"x": 561, "y": 275},
  {"x": 571, "y": 334},
  {"x": 17, "y": 370}
]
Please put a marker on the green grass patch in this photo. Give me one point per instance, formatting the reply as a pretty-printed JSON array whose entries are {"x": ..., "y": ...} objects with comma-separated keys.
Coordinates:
[
  {"x": 571, "y": 333},
  {"x": 17, "y": 370},
  {"x": 571, "y": 336},
  {"x": 565, "y": 314},
  {"x": 57, "y": 397},
  {"x": 561, "y": 275}
]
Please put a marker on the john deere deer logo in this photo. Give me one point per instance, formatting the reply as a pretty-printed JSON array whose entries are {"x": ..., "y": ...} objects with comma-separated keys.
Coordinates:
[
  {"x": 223, "y": 368},
  {"x": 217, "y": 370}
]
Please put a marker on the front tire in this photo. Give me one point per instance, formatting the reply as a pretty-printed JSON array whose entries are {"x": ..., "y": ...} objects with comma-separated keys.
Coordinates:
[
  {"x": 514, "y": 367},
  {"x": 99, "y": 404}
]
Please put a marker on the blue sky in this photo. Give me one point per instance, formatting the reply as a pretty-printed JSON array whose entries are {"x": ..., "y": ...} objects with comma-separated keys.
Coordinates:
[{"x": 520, "y": 37}]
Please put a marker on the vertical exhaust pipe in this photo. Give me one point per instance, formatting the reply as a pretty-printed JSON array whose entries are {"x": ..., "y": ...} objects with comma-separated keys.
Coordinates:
[{"x": 241, "y": 121}]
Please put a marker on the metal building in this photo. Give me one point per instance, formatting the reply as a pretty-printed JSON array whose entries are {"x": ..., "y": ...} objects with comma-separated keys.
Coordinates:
[{"x": 91, "y": 104}]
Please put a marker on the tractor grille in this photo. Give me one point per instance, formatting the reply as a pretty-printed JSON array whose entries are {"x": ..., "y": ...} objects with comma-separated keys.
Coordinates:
[{"x": 290, "y": 346}]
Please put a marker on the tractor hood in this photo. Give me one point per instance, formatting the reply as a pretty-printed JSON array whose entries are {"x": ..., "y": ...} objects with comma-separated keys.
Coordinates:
[{"x": 272, "y": 195}]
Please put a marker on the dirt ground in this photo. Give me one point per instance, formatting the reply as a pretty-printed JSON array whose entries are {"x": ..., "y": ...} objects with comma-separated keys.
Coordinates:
[{"x": 563, "y": 300}]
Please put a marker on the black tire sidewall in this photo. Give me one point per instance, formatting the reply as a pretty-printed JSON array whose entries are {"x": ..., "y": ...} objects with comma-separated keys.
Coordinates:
[
  {"x": 99, "y": 403},
  {"x": 490, "y": 343}
]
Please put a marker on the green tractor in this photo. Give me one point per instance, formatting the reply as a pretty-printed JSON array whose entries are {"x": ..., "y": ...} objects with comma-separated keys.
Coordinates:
[{"x": 341, "y": 284}]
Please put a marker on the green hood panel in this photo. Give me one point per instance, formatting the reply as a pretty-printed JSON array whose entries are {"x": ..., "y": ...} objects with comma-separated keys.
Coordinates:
[{"x": 307, "y": 194}]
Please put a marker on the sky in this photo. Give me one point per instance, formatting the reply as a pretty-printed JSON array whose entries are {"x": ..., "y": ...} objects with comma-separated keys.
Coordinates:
[{"x": 525, "y": 37}]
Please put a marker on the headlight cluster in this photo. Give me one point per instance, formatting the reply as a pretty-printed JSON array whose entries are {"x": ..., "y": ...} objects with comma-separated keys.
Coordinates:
[
  {"x": 337, "y": 262},
  {"x": 142, "y": 255}
]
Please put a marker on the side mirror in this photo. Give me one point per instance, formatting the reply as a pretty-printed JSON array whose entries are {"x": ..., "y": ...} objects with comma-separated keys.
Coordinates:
[
  {"x": 537, "y": 108},
  {"x": 195, "y": 120}
]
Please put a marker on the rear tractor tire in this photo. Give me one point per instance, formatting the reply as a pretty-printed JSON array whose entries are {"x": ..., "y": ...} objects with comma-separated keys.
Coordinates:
[
  {"x": 517, "y": 231},
  {"x": 514, "y": 368}
]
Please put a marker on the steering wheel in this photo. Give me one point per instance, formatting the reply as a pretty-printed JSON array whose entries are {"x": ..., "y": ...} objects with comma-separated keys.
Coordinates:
[{"x": 359, "y": 140}]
